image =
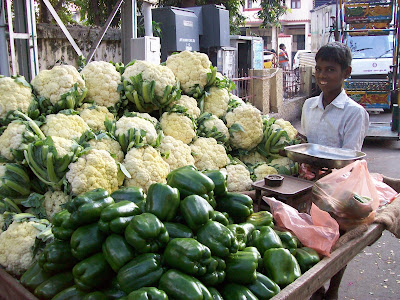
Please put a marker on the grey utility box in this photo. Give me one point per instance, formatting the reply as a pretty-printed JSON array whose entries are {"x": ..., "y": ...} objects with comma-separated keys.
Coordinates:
[
  {"x": 179, "y": 29},
  {"x": 215, "y": 26}
]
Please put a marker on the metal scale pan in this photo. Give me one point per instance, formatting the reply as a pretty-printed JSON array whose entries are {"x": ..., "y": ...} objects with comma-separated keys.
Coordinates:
[{"x": 323, "y": 156}]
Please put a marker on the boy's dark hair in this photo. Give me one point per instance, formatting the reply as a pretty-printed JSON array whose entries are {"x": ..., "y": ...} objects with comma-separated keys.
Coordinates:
[
  {"x": 281, "y": 46},
  {"x": 335, "y": 52}
]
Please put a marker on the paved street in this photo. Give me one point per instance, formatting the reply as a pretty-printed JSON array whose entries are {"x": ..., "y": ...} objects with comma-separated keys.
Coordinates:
[{"x": 375, "y": 272}]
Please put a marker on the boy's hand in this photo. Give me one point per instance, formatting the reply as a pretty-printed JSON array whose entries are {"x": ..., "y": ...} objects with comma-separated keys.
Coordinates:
[{"x": 302, "y": 138}]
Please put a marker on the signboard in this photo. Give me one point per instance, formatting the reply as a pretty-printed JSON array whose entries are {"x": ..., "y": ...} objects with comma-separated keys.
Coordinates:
[{"x": 258, "y": 54}]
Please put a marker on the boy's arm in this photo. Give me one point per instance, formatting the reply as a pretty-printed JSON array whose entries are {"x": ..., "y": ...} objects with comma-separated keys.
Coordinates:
[{"x": 355, "y": 130}]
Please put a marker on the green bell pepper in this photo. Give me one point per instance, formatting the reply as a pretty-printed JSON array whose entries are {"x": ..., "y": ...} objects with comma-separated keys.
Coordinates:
[
  {"x": 220, "y": 181},
  {"x": 238, "y": 206},
  {"x": 114, "y": 290},
  {"x": 162, "y": 201},
  {"x": 57, "y": 257},
  {"x": 92, "y": 272},
  {"x": 263, "y": 287},
  {"x": 176, "y": 230},
  {"x": 241, "y": 267},
  {"x": 86, "y": 208},
  {"x": 71, "y": 293},
  {"x": 281, "y": 266},
  {"x": 307, "y": 258},
  {"x": 148, "y": 293},
  {"x": 218, "y": 238},
  {"x": 132, "y": 194},
  {"x": 259, "y": 257},
  {"x": 144, "y": 270},
  {"x": 261, "y": 218},
  {"x": 34, "y": 276},
  {"x": 189, "y": 181},
  {"x": 190, "y": 256},
  {"x": 180, "y": 286},
  {"x": 196, "y": 211},
  {"x": 55, "y": 284},
  {"x": 95, "y": 296},
  {"x": 265, "y": 238},
  {"x": 240, "y": 235},
  {"x": 62, "y": 225},
  {"x": 116, "y": 217},
  {"x": 117, "y": 251},
  {"x": 216, "y": 276},
  {"x": 220, "y": 217},
  {"x": 233, "y": 291},
  {"x": 289, "y": 241},
  {"x": 210, "y": 199},
  {"x": 87, "y": 240},
  {"x": 248, "y": 228},
  {"x": 214, "y": 293},
  {"x": 146, "y": 233}
]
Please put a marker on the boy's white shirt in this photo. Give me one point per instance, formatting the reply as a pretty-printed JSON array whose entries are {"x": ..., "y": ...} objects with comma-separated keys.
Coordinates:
[{"x": 342, "y": 124}]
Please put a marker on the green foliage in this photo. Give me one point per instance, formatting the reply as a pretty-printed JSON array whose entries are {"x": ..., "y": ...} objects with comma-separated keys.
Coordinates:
[{"x": 271, "y": 11}]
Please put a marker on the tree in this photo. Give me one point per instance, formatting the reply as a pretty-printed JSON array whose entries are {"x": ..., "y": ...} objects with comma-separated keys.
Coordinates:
[{"x": 271, "y": 11}]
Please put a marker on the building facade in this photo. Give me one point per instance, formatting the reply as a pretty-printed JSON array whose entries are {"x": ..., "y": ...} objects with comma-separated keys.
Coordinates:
[{"x": 295, "y": 30}]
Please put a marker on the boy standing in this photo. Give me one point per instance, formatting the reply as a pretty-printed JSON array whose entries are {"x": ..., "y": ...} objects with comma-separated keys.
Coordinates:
[
  {"x": 332, "y": 118},
  {"x": 283, "y": 57}
]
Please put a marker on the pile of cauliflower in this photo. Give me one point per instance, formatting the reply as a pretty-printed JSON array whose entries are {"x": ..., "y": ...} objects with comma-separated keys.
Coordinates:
[{"x": 70, "y": 132}]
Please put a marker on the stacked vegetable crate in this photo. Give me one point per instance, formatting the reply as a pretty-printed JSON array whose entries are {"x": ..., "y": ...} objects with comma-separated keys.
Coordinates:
[{"x": 188, "y": 239}]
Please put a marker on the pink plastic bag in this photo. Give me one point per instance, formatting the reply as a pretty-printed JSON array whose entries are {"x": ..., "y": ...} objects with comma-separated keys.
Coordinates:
[
  {"x": 317, "y": 230},
  {"x": 386, "y": 193},
  {"x": 349, "y": 194}
]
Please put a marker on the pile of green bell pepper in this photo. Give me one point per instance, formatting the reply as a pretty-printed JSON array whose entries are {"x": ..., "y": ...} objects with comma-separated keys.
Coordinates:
[{"x": 187, "y": 239}]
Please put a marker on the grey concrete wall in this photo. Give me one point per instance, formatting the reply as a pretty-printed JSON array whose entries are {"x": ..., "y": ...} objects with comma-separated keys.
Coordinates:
[{"x": 53, "y": 45}]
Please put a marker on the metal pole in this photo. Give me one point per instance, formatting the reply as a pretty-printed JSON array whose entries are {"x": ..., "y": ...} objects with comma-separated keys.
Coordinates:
[
  {"x": 148, "y": 28},
  {"x": 337, "y": 22},
  {"x": 128, "y": 28},
  {"x": 4, "y": 63}
]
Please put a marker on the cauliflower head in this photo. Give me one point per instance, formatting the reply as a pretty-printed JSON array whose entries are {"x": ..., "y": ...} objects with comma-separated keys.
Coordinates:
[
  {"x": 190, "y": 104},
  {"x": 190, "y": 68},
  {"x": 96, "y": 169},
  {"x": 12, "y": 139},
  {"x": 14, "y": 95},
  {"x": 102, "y": 80},
  {"x": 288, "y": 127},
  {"x": 63, "y": 145},
  {"x": 66, "y": 126},
  {"x": 178, "y": 126},
  {"x": 110, "y": 145},
  {"x": 253, "y": 158},
  {"x": 175, "y": 152},
  {"x": 213, "y": 123},
  {"x": 162, "y": 75},
  {"x": 16, "y": 245},
  {"x": 147, "y": 117},
  {"x": 239, "y": 179},
  {"x": 126, "y": 123},
  {"x": 208, "y": 154},
  {"x": 263, "y": 170},
  {"x": 249, "y": 118},
  {"x": 146, "y": 167},
  {"x": 52, "y": 202},
  {"x": 217, "y": 101},
  {"x": 52, "y": 84},
  {"x": 95, "y": 116}
]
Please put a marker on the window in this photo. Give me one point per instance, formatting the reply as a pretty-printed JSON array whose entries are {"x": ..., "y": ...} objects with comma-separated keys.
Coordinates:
[
  {"x": 249, "y": 3},
  {"x": 295, "y": 4}
]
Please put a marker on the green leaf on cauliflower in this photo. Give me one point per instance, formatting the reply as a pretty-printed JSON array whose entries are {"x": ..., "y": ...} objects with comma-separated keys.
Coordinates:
[
  {"x": 35, "y": 203},
  {"x": 236, "y": 128}
]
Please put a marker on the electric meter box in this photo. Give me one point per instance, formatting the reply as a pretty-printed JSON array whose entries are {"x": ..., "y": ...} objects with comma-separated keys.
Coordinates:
[
  {"x": 213, "y": 25},
  {"x": 146, "y": 48},
  {"x": 179, "y": 27}
]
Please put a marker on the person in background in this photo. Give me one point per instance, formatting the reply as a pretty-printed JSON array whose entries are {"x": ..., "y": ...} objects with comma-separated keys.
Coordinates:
[
  {"x": 283, "y": 57},
  {"x": 333, "y": 118}
]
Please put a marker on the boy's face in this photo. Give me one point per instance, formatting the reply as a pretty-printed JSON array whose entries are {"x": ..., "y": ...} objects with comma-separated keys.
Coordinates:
[{"x": 330, "y": 76}]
